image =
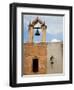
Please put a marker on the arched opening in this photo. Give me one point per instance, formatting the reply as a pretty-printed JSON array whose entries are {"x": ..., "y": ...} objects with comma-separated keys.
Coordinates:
[
  {"x": 37, "y": 31},
  {"x": 35, "y": 65}
]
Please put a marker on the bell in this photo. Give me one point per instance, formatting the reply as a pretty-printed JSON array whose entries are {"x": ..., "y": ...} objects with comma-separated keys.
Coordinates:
[{"x": 37, "y": 33}]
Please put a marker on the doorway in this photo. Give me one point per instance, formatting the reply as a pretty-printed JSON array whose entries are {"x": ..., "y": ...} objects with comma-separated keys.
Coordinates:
[{"x": 35, "y": 65}]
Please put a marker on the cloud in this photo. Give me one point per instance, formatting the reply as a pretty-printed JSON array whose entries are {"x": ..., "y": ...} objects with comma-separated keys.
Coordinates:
[{"x": 55, "y": 40}]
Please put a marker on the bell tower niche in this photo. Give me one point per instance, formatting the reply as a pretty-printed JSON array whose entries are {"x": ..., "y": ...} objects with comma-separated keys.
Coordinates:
[{"x": 32, "y": 27}]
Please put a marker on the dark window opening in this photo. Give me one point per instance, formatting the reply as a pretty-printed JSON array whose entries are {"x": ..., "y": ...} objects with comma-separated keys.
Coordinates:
[{"x": 35, "y": 65}]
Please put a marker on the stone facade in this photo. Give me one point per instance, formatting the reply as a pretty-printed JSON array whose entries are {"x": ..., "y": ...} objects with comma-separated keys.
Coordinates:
[
  {"x": 34, "y": 51},
  {"x": 43, "y": 52},
  {"x": 55, "y": 50}
]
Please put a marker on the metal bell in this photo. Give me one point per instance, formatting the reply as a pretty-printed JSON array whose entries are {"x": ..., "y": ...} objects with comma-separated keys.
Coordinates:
[{"x": 37, "y": 33}]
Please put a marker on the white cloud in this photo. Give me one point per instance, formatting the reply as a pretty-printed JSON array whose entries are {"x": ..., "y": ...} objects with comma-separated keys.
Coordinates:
[{"x": 55, "y": 40}]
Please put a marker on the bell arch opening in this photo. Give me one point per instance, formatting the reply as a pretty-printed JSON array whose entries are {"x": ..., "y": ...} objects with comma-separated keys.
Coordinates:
[{"x": 37, "y": 31}]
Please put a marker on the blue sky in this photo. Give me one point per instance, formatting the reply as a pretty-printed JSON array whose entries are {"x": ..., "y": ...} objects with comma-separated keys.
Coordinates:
[{"x": 54, "y": 27}]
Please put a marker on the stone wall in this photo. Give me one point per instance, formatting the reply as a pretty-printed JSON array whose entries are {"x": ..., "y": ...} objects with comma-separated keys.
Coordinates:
[
  {"x": 43, "y": 52},
  {"x": 31, "y": 51},
  {"x": 55, "y": 49}
]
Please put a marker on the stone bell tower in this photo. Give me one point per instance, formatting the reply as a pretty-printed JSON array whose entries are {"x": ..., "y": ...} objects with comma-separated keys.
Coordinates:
[
  {"x": 35, "y": 55},
  {"x": 31, "y": 30}
]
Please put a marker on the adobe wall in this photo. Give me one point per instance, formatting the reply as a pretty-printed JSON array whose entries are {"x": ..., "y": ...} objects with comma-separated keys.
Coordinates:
[
  {"x": 43, "y": 52},
  {"x": 55, "y": 49},
  {"x": 30, "y": 51}
]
